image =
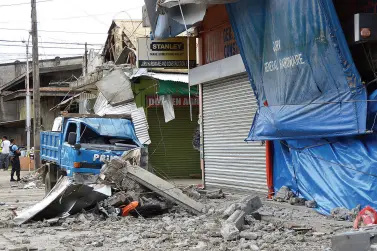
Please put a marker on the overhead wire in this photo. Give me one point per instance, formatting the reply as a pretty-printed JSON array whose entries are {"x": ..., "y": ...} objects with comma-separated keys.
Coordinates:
[
  {"x": 25, "y": 3},
  {"x": 55, "y": 31},
  {"x": 46, "y": 47},
  {"x": 49, "y": 42}
]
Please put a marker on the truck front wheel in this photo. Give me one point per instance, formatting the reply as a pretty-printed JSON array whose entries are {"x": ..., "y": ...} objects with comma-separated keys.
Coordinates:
[
  {"x": 51, "y": 177},
  {"x": 48, "y": 183}
]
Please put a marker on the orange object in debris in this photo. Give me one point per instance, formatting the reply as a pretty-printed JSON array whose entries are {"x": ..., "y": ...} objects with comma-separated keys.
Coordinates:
[
  {"x": 127, "y": 209},
  {"x": 368, "y": 215}
]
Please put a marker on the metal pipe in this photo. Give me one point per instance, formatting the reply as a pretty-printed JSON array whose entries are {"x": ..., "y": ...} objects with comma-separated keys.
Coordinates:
[
  {"x": 28, "y": 112},
  {"x": 269, "y": 168}
]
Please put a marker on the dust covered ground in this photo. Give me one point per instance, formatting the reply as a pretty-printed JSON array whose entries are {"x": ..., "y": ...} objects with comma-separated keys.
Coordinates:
[{"x": 283, "y": 227}]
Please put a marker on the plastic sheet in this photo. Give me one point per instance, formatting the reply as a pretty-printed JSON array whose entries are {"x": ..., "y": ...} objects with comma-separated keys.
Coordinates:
[
  {"x": 300, "y": 68},
  {"x": 336, "y": 172}
]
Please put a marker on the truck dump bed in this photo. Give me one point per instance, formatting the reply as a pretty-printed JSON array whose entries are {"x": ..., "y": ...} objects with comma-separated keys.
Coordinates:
[{"x": 50, "y": 146}]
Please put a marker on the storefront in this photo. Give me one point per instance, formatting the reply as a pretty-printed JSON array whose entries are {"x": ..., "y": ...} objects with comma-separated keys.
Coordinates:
[
  {"x": 228, "y": 108},
  {"x": 171, "y": 151}
]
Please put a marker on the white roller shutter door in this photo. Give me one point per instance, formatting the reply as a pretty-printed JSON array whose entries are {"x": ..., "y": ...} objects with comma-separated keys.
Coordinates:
[{"x": 229, "y": 107}]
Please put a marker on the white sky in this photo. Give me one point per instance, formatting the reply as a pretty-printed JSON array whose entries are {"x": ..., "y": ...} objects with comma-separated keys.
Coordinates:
[{"x": 91, "y": 16}]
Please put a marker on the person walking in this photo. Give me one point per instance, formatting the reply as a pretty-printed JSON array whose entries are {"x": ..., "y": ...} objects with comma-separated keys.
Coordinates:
[
  {"x": 15, "y": 160},
  {"x": 4, "y": 157}
]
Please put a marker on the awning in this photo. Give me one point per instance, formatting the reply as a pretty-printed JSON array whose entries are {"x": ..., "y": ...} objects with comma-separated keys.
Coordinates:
[
  {"x": 170, "y": 88},
  {"x": 175, "y": 77}
]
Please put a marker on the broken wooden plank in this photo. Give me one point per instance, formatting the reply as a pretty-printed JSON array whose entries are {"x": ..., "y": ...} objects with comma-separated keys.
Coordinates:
[{"x": 163, "y": 188}]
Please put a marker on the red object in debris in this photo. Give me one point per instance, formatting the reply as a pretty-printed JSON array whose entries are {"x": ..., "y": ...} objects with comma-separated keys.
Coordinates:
[
  {"x": 269, "y": 168},
  {"x": 368, "y": 215},
  {"x": 265, "y": 103},
  {"x": 127, "y": 209}
]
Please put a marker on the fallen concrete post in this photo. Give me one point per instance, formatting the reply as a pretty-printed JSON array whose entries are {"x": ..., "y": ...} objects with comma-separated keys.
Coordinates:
[
  {"x": 163, "y": 188},
  {"x": 236, "y": 220}
]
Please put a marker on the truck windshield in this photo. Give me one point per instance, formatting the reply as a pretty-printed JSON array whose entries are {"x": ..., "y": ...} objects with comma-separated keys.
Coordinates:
[{"x": 88, "y": 136}]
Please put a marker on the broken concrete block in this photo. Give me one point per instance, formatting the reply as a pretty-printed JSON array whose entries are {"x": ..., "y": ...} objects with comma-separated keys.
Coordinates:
[
  {"x": 229, "y": 211},
  {"x": 118, "y": 199},
  {"x": 251, "y": 204},
  {"x": 229, "y": 232},
  {"x": 237, "y": 218},
  {"x": 284, "y": 194},
  {"x": 351, "y": 241},
  {"x": 193, "y": 193},
  {"x": 373, "y": 247},
  {"x": 311, "y": 203},
  {"x": 217, "y": 194},
  {"x": 297, "y": 201},
  {"x": 163, "y": 188},
  {"x": 248, "y": 235}
]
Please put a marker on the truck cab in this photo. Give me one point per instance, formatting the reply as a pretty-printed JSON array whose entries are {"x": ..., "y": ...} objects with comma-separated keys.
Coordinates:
[{"x": 79, "y": 145}]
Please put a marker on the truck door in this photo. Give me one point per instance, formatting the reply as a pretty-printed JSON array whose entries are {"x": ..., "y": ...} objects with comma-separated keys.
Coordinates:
[{"x": 68, "y": 153}]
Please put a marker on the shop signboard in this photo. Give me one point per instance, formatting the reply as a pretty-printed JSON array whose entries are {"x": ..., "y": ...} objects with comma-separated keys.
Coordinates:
[
  {"x": 167, "y": 53},
  {"x": 177, "y": 101}
]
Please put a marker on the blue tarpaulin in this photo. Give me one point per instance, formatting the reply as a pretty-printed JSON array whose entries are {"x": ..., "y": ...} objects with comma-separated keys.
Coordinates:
[
  {"x": 300, "y": 69},
  {"x": 336, "y": 172}
]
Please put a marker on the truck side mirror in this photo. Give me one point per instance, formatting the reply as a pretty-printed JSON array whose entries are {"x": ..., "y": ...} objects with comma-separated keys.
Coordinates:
[{"x": 72, "y": 138}]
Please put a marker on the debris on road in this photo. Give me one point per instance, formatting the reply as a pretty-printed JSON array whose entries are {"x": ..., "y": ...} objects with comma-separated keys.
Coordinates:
[
  {"x": 65, "y": 198},
  {"x": 311, "y": 204},
  {"x": 126, "y": 174},
  {"x": 235, "y": 222},
  {"x": 30, "y": 185},
  {"x": 343, "y": 214}
]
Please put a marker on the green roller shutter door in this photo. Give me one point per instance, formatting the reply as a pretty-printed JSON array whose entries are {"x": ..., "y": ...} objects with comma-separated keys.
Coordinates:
[{"x": 172, "y": 154}]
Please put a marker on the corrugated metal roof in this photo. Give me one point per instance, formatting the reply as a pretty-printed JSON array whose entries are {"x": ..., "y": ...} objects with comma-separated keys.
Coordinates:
[{"x": 160, "y": 76}]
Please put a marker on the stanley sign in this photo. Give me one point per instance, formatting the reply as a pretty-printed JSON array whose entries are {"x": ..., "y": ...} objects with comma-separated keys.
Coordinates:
[{"x": 168, "y": 53}]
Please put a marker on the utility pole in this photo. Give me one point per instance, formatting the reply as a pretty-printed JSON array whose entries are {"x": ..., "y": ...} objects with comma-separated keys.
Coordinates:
[
  {"x": 86, "y": 59},
  {"x": 36, "y": 85},
  {"x": 28, "y": 115}
]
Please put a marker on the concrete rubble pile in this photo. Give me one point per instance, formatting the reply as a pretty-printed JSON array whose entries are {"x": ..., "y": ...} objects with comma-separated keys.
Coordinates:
[
  {"x": 137, "y": 192},
  {"x": 286, "y": 195}
]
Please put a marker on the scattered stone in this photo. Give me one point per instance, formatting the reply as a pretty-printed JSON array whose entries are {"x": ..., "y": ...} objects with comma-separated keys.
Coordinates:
[
  {"x": 193, "y": 193},
  {"x": 248, "y": 235},
  {"x": 297, "y": 201},
  {"x": 284, "y": 194},
  {"x": 81, "y": 218},
  {"x": 343, "y": 214},
  {"x": 31, "y": 185},
  {"x": 237, "y": 219},
  {"x": 200, "y": 247},
  {"x": 25, "y": 241},
  {"x": 129, "y": 238},
  {"x": 97, "y": 244},
  {"x": 18, "y": 249},
  {"x": 229, "y": 211},
  {"x": 372, "y": 247},
  {"x": 217, "y": 194},
  {"x": 311, "y": 203},
  {"x": 230, "y": 232}
]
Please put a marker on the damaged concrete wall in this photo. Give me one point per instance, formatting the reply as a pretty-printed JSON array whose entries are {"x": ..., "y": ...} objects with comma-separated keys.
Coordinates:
[
  {"x": 10, "y": 71},
  {"x": 8, "y": 110},
  {"x": 48, "y": 116}
]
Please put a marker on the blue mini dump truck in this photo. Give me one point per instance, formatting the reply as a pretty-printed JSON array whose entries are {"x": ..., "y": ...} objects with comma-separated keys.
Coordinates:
[{"x": 79, "y": 145}]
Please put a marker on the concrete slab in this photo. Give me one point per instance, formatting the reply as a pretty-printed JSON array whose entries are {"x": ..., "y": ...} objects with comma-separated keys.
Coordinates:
[{"x": 163, "y": 188}]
